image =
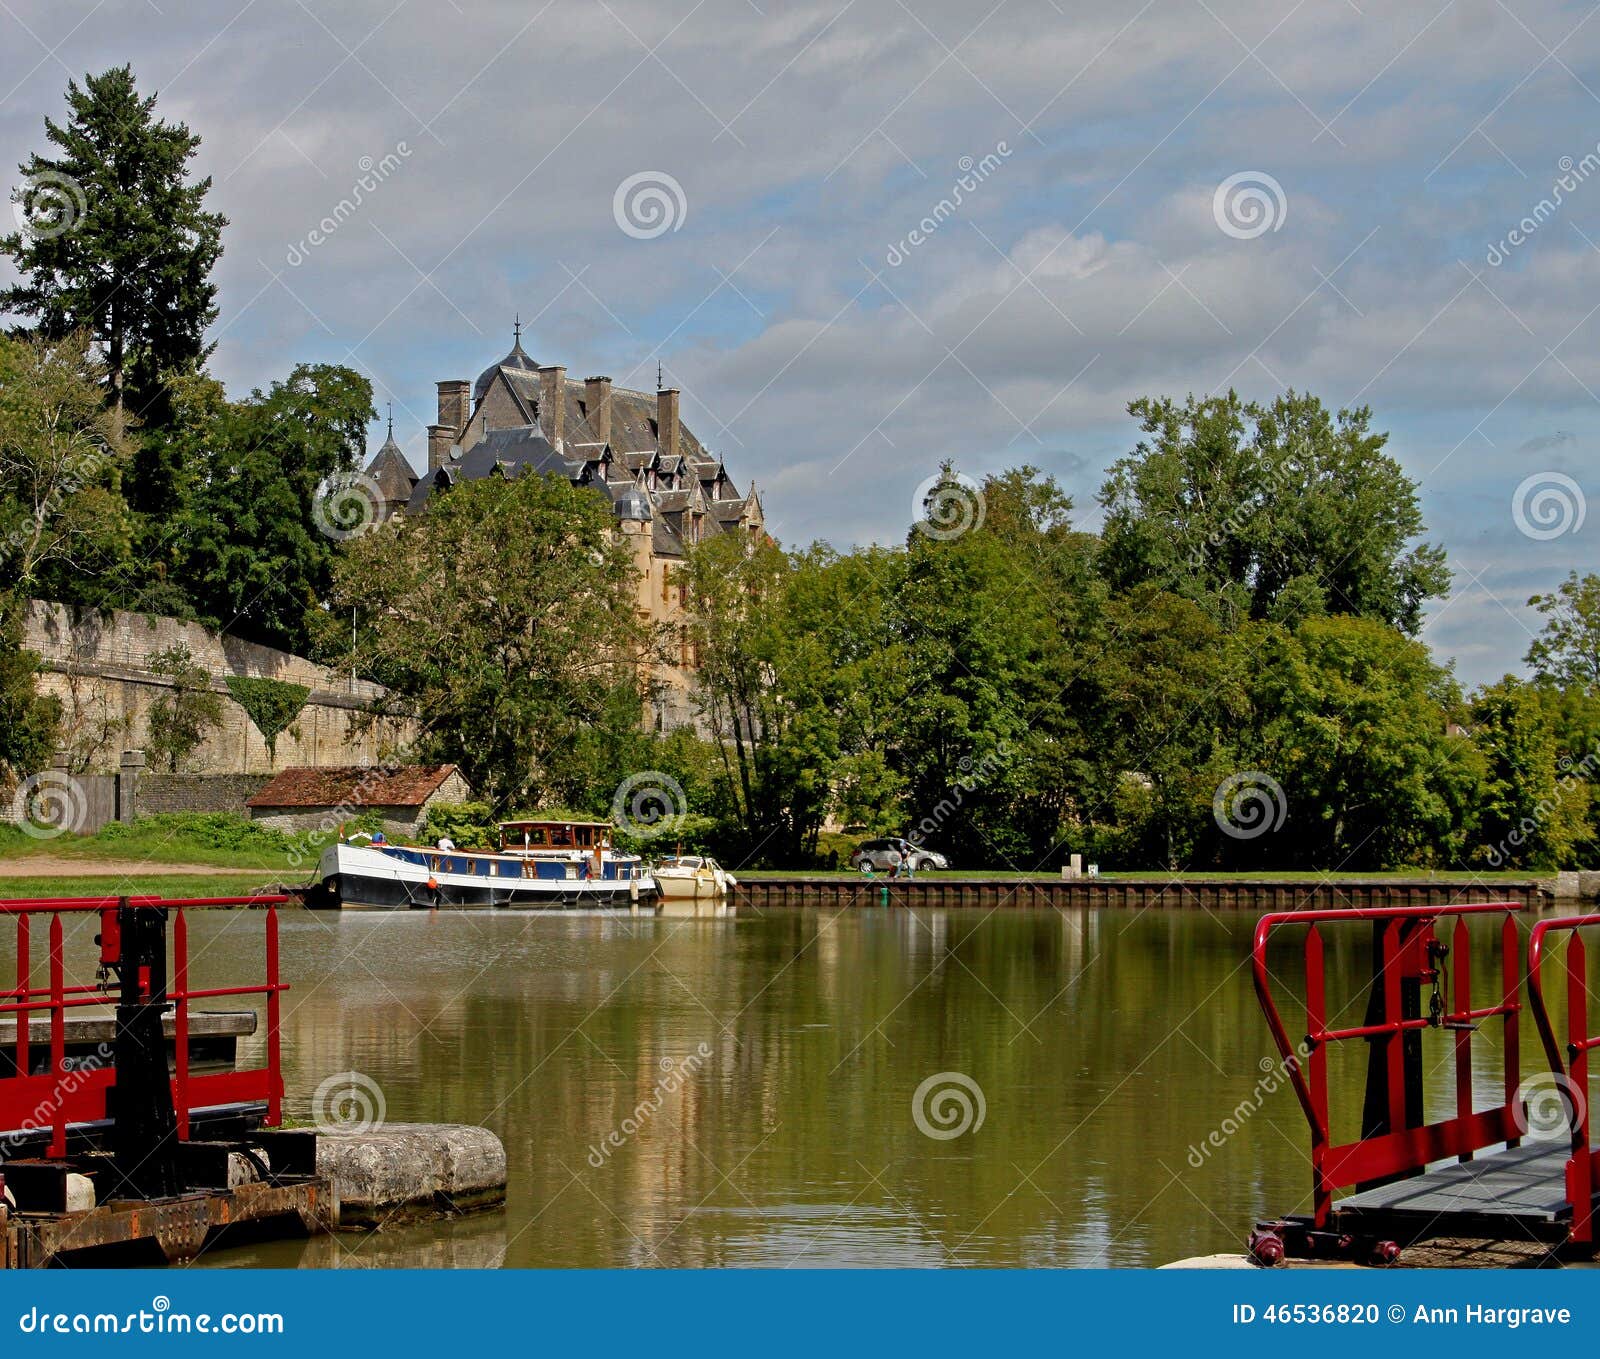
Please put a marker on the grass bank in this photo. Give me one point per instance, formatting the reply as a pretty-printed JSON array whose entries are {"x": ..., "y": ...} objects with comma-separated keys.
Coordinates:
[
  {"x": 213, "y": 839},
  {"x": 135, "y": 884}
]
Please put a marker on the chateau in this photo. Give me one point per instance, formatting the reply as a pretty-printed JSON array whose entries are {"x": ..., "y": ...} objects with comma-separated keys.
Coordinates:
[{"x": 666, "y": 490}]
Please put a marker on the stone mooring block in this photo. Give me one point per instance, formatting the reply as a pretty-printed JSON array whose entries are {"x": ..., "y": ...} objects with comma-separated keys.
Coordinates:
[{"x": 411, "y": 1170}]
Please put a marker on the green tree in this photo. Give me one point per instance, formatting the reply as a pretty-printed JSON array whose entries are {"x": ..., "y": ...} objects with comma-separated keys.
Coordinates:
[
  {"x": 64, "y": 528},
  {"x": 117, "y": 240},
  {"x": 1529, "y": 817},
  {"x": 994, "y": 615},
  {"x": 1567, "y": 650},
  {"x": 504, "y": 621},
  {"x": 28, "y": 720},
  {"x": 181, "y": 717},
  {"x": 1170, "y": 698},
  {"x": 1350, "y": 717},
  {"x": 255, "y": 547},
  {"x": 752, "y": 623},
  {"x": 1273, "y": 512}
]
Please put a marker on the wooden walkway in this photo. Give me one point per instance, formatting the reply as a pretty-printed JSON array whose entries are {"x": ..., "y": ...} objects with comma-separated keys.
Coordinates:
[{"x": 1515, "y": 1194}]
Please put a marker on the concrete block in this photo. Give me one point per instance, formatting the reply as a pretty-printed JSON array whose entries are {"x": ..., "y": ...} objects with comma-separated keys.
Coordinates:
[
  {"x": 411, "y": 1170},
  {"x": 1589, "y": 884},
  {"x": 80, "y": 1193},
  {"x": 1566, "y": 886}
]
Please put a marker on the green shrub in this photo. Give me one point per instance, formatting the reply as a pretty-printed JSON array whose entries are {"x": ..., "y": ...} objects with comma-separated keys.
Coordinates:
[
  {"x": 271, "y": 704},
  {"x": 471, "y": 825},
  {"x": 226, "y": 832}
]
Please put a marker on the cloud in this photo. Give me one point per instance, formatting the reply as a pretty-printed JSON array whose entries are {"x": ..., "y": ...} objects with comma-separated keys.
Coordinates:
[{"x": 1085, "y": 270}]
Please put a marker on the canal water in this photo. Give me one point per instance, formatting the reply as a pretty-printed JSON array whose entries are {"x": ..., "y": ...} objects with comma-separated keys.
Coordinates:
[{"x": 780, "y": 1088}]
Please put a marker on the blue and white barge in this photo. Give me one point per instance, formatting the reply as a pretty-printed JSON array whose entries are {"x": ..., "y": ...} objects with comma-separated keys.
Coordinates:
[{"x": 540, "y": 865}]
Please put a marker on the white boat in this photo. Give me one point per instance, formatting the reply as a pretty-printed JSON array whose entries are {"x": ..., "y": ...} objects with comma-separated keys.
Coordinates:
[
  {"x": 693, "y": 877},
  {"x": 540, "y": 865}
]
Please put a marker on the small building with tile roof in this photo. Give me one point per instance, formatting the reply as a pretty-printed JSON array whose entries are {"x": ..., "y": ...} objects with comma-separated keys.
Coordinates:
[
  {"x": 666, "y": 488},
  {"x": 304, "y": 798}
]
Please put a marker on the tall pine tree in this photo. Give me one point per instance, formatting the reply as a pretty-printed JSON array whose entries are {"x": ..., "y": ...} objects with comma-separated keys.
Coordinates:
[{"x": 116, "y": 239}]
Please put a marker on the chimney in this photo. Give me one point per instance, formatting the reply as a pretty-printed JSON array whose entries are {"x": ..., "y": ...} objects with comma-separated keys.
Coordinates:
[
  {"x": 455, "y": 402},
  {"x": 553, "y": 404},
  {"x": 597, "y": 397},
  {"x": 440, "y": 437},
  {"x": 667, "y": 421}
]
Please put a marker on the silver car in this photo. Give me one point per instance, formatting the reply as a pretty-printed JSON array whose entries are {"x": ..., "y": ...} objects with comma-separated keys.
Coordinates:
[{"x": 886, "y": 856}]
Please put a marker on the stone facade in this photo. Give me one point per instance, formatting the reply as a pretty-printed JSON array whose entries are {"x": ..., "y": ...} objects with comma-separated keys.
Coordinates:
[
  {"x": 99, "y": 666},
  {"x": 667, "y": 491}
]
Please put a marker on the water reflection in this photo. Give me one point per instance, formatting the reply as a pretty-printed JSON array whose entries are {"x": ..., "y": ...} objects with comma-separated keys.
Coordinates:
[{"x": 1107, "y": 1045}]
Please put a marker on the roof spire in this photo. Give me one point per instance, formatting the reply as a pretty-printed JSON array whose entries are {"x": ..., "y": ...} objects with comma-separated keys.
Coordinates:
[
  {"x": 391, "y": 420},
  {"x": 658, "y": 375},
  {"x": 516, "y": 328}
]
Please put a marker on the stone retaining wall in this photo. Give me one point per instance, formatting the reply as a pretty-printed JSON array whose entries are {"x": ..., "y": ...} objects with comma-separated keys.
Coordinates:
[
  {"x": 196, "y": 792},
  {"x": 98, "y": 665}
]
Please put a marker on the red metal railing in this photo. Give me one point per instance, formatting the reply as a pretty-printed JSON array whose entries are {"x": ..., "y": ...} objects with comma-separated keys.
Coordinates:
[
  {"x": 1407, "y": 949},
  {"x": 1572, "y": 1077},
  {"x": 67, "y": 1097}
]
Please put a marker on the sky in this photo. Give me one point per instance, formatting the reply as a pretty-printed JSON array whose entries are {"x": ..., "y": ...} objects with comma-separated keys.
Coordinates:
[{"x": 864, "y": 237}]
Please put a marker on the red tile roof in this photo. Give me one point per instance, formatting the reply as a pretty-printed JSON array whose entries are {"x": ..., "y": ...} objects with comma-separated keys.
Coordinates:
[{"x": 354, "y": 786}]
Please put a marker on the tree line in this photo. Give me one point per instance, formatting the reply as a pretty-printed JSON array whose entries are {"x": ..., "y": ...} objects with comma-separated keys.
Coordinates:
[{"x": 1230, "y": 673}]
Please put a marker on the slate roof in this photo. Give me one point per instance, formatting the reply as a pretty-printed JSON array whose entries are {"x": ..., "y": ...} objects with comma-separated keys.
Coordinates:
[
  {"x": 628, "y": 466},
  {"x": 392, "y": 473},
  {"x": 515, "y": 361},
  {"x": 512, "y": 451},
  {"x": 353, "y": 786}
]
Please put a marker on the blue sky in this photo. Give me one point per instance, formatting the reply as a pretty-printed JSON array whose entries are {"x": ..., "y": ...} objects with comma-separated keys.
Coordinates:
[{"x": 1394, "y": 145}]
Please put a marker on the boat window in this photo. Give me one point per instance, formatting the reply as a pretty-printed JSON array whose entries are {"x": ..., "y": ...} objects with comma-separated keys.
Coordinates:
[
  {"x": 585, "y": 836},
  {"x": 561, "y": 836}
]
